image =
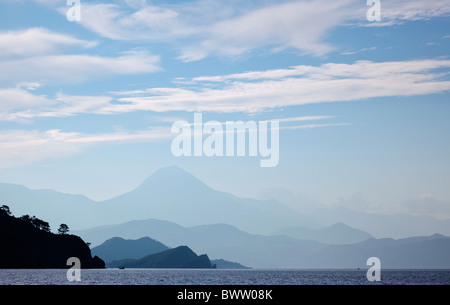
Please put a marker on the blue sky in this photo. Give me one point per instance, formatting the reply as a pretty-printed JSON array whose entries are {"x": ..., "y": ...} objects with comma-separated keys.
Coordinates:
[{"x": 87, "y": 107}]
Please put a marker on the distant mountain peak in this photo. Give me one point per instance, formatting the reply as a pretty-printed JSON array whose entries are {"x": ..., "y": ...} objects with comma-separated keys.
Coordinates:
[
  {"x": 437, "y": 235},
  {"x": 171, "y": 177},
  {"x": 339, "y": 225},
  {"x": 171, "y": 170}
]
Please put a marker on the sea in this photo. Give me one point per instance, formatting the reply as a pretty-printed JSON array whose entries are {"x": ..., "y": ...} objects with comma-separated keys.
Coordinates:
[{"x": 223, "y": 277}]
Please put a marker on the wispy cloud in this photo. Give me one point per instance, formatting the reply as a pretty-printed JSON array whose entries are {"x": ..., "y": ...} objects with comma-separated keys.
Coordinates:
[
  {"x": 18, "y": 104},
  {"x": 401, "y": 11},
  {"x": 127, "y": 20},
  {"x": 22, "y": 147},
  {"x": 38, "y": 41},
  {"x": 358, "y": 51},
  {"x": 287, "y": 120},
  {"x": 36, "y": 55},
  {"x": 295, "y": 86},
  {"x": 78, "y": 67},
  {"x": 14, "y": 99},
  {"x": 299, "y": 24},
  {"x": 250, "y": 92},
  {"x": 201, "y": 28},
  {"x": 406, "y": 10}
]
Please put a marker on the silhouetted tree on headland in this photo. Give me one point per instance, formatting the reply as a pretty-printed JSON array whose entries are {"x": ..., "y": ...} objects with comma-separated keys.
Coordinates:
[
  {"x": 5, "y": 210},
  {"x": 27, "y": 243},
  {"x": 63, "y": 229},
  {"x": 36, "y": 222}
]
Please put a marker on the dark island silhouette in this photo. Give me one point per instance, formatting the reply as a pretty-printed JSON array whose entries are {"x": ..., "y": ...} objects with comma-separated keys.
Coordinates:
[
  {"x": 27, "y": 243},
  {"x": 117, "y": 248},
  {"x": 178, "y": 258},
  {"x": 120, "y": 249}
]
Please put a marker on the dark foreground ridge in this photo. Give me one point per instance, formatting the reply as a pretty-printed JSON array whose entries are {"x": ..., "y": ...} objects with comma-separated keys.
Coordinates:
[
  {"x": 182, "y": 257},
  {"x": 24, "y": 246}
]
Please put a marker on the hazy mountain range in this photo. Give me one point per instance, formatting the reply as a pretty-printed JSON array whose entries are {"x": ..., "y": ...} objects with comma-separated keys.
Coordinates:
[
  {"x": 280, "y": 251},
  {"x": 176, "y": 209},
  {"x": 380, "y": 225},
  {"x": 430, "y": 252},
  {"x": 219, "y": 241},
  {"x": 169, "y": 194},
  {"x": 174, "y": 195},
  {"x": 336, "y": 234}
]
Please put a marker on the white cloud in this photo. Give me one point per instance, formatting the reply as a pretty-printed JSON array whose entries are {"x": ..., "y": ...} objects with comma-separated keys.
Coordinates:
[
  {"x": 250, "y": 92},
  {"x": 37, "y": 41},
  {"x": 401, "y": 11},
  {"x": 69, "y": 68},
  {"x": 201, "y": 28},
  {"x": 19, "y": 99},
  {"x": 300, "y": 25},
  {"x": 30, "y": 85},
  {"x": 19, "y": 105},
  {"x": 287, "y": 120},
  {"x": 145, "y": 22},
  {"x": 299, "y": 85},
  {"x": 407, "y": 10},
  {"x": 38, "y": 55},
  {"x": 22, "y": 147},
  {"x": 358, "y": 51},
  {"x": 360, "y": 69},
  {"x": 100, "y": 18},
  {"x": 254, "y": 75}
]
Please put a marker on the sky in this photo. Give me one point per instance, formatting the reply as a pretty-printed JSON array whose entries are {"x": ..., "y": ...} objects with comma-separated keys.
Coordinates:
[{"x": 87, "y": 106}]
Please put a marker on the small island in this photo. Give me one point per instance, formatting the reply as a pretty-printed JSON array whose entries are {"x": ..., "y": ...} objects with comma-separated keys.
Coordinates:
[{"x": 180, "y": 258}]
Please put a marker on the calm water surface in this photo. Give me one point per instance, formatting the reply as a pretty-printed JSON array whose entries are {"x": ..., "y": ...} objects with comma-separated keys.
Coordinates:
[{"x": 223, "y": 277}]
